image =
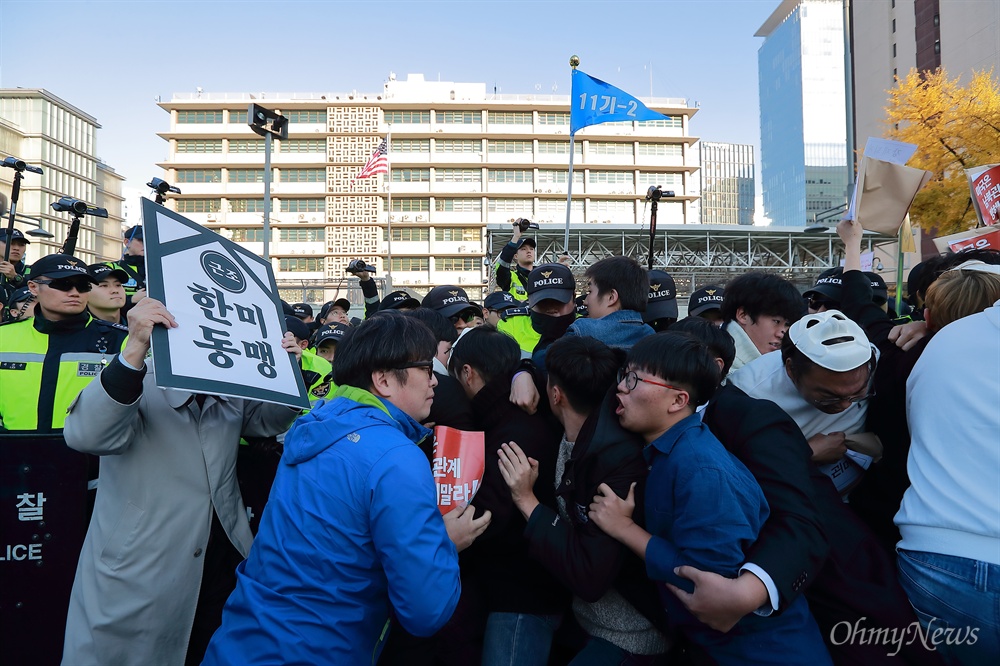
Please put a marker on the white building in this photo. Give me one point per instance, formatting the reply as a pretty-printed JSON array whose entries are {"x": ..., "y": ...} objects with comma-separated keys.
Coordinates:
[
  {"x": 50, "y": 133},
  {"x": 460, "y": 159}
]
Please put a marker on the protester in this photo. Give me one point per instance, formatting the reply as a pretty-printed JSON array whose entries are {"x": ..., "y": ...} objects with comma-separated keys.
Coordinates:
[
  {"x": 516, "y": 261},
  {"x": 617, "y": 288},
  {"x": 12, "y": 271},
  {"x": 523, "y": 601},
  {"x": 661, "y": 303},
  {"x": 707, "y": 303},
  {"x": 169, "y": 524},
  {"x": 454, "y": 304},
  {"x": 107, "y": 298},
  {"x": 352, "y": 525},
  {"x": 614, "y": 602},
  {"x": 703, "y": 507},
  {"x": 757, "y": 310}
]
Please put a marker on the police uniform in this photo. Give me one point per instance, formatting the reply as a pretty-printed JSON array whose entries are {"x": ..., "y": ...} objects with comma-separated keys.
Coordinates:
[
  {"x": 133, "y": 266},
  {"x": 516, "y": 323},
  {"x": 511, "y": 277},
  {"x": 9, "y": 285},
  {"x": 45, "y": 364}
]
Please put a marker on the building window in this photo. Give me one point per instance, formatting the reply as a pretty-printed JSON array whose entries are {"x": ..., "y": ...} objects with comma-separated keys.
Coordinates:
[
  {"x": 246, "y": 175},
  {"x": 411, "y": 145},
  {"x": 238, "y": 117},
  {"x": 302, "y": 235},
  {"x": 558, "y": 148},
  {"x": 457, "y": 234},
  {"x": 411, "y": 175},
  {"x": 199, "y": 117},
  {"x": 251, "y": 235},
  {"x": 246, "y": 145},
  {"x": 610, "y": 148},
  {"x": 521, "y": 206},
  {"x": 303, "y": 145},
  {"x": 410, "y": 263},
  {"x": 669, "y": 121},
  {"x": 509, "y": 117},
  {"x": 198, "y": 205},
  {"x": 671, "y": 149},
  {"x": 407, "y": 117},
  {"x": 509, "y": 176},
  {"x": 246, "y": 205},
  {"x": 313, "y": 116},
  {"x": 410, "y": 205},
  {"x": 553, "y": 119},
  {"x": 303, "y": 175},
  {"x": 199, "y": 146},
  {"x": 458, "y": 175},
  {"x": 894, "y": 25},
  {"x": 455, "y": 264},
  {"x": 408, "y": 234},
  {"x": 509, "y": 147},
  {"x": 458, "y": 146},
  {"x": 559, "y": 176},
  {"x": 937, "y": 20},
  {"x": 198, "y": 176},
  {"x": 937, "y": 46},
  {"x": 893, "y": 50},
  {"x": 459, "y": 117},
  {"x": 300, "y": 264},
  {"x": 303, "y": 205},
  {"x": 650, "y": 178},
  {"x": 466, "y": 205},
  {"x": 613, "y": 177}
]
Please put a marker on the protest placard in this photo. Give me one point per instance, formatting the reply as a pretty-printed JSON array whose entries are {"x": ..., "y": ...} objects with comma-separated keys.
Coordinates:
[
  {"x": 458, "y": 465},
  {"x": 984, "y": 181},
  {"x": 225, "y": 302},
  {"x": 982, "y": 238}
]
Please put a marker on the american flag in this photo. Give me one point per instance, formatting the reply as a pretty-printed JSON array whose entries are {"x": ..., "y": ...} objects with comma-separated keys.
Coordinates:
[{"x": 377, "y": 163}]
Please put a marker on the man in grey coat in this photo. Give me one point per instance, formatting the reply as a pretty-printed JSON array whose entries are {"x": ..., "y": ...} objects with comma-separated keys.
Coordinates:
[{"x": 168, "y": 517}]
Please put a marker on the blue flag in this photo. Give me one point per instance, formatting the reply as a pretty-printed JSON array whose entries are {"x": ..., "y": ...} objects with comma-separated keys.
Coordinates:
[{"x": 593, "y": 102}]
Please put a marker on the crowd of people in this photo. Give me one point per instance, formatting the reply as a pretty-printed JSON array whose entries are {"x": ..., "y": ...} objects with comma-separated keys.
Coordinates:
[{"x": 777, "y": 478}]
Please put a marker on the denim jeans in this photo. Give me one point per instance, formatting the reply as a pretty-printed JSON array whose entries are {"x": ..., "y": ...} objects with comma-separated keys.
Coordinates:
[
  {"x": 518, "y": 639},
  {"x": 958, "y": 603},
  {"x": 599, "y": 652}
]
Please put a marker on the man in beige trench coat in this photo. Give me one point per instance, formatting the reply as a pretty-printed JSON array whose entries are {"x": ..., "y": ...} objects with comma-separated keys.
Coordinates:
[{"x": 168, "y": 470}]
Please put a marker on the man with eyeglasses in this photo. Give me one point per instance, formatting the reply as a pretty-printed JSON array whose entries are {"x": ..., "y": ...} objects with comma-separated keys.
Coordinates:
[
  {"x": 38, "y": 381},
  {"x": 822, "y": 380}
]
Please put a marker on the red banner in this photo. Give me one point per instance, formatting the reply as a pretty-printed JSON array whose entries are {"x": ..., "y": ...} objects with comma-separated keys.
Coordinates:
[
  {"x": 458, "y": 465},
  {"x": 986, "y": 190}
]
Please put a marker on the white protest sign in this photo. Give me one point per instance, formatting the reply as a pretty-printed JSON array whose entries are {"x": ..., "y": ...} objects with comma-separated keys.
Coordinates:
[{"x": 225, "y": 302}]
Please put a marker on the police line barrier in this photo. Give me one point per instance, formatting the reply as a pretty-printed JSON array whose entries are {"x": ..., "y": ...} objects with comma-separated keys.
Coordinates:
[{"x": 43, "y": 521}]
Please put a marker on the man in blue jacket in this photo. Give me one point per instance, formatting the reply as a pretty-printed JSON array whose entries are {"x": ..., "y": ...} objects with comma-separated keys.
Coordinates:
[{"x": 352, "y": 525}]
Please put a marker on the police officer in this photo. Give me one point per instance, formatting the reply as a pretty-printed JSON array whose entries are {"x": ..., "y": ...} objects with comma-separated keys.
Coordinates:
[
  {"x": 515, "y": 262},
  {"x": 46, "y": 361},
  {"x": 12, "y": 271},
  {"x": 21, "y": 305},
  {"x": 133, "y": 263}
]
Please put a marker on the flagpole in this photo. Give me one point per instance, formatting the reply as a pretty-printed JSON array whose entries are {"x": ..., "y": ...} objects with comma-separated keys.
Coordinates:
[
  {"x": 574, "y": 62},
  {"x": 388, "y": 214}
]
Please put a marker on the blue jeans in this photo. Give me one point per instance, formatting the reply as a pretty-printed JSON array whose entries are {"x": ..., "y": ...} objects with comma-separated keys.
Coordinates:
[
  {"x": 518, "y": 639},
  {"x": 958, "y": 603},
  {"x": 599, "y": 652}
]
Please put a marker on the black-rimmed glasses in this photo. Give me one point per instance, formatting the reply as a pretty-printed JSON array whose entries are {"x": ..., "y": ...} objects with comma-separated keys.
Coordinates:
[
  {"x": 632, "y": 380},
  {"x": 426, "y": 365}
]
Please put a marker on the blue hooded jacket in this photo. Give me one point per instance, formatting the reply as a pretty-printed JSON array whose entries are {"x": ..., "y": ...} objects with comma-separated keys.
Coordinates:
[{"x": 351, "y": 526}]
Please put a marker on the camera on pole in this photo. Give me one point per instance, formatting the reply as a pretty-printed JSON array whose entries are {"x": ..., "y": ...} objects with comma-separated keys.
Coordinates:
[
  {"x": 19, "y": 166},
  {"x": 654, "y": 194},
  {"x": 268, "y": 124},
  {"x": 77, "y": 209},
  {"x": 161, "y": 187}
]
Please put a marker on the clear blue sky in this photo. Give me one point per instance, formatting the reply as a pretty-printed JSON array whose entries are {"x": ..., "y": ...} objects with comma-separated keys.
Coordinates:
[{"x": 113, "y": 58}]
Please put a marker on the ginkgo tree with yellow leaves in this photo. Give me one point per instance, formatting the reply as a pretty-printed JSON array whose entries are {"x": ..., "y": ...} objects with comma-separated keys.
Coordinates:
[{"x": 955, "y": 127}]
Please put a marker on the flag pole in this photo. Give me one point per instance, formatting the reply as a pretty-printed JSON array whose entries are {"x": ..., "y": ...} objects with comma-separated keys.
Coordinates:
[
  {"x": 574, "y": 62},
  {"x": 388, "y": 214}
]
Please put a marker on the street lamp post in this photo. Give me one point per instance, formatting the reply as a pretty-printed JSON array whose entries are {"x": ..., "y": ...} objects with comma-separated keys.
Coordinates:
[{"x": 268, "y": 124}]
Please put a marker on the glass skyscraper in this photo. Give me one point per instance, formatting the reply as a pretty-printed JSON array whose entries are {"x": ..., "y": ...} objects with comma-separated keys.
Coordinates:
[{"x": 803, "y": 121}]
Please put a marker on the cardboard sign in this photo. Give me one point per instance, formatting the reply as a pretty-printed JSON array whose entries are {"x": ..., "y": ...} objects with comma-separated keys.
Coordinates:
[
  {"x": 458, "y": 465},
  {"x": 43, "y": 520},
  {"x": 979, "y": 239},
  {"x": 226, "y": 304},
  {"x": 984, "y": 182}
]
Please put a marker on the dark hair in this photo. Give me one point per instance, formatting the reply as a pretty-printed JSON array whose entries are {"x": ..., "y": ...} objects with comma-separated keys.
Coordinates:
[
  {"x": 584, "y": 368},
  {"x": 931, "y": 269},
  {"x": 489, "y": 351},
  {"x": 442, "y": 329},
  {"x": 679, "y": 358},
  {"x": 384, "y": 341},
  {"x": 760, "y": 293},
  {"x": 624, "y": 275},
  {"x": 719, "y": 342}
]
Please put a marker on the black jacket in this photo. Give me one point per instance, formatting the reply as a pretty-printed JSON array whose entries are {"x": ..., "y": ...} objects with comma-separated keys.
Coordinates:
[
  {"x": 578, "y": 553},
  {"x": 812, "y": 543},
  {"x": 501, "y": 568}
]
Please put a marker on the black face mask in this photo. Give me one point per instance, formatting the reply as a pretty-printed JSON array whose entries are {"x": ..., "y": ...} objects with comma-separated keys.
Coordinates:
[{"x": 551, "y": 327}]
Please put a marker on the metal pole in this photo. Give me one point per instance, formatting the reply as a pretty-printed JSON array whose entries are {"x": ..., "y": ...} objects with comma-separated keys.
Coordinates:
[
  {"x": 388, "y": 214},
  {"x": 899, "y": 270},
  {"x": 569, "y": 194},
  {"x": 15, "y": 192},
  {"x": 267, "y": 195}
]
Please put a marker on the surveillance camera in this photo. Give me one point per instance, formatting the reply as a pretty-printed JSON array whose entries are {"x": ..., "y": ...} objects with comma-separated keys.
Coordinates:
[{"x": 161, "y": 186}]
